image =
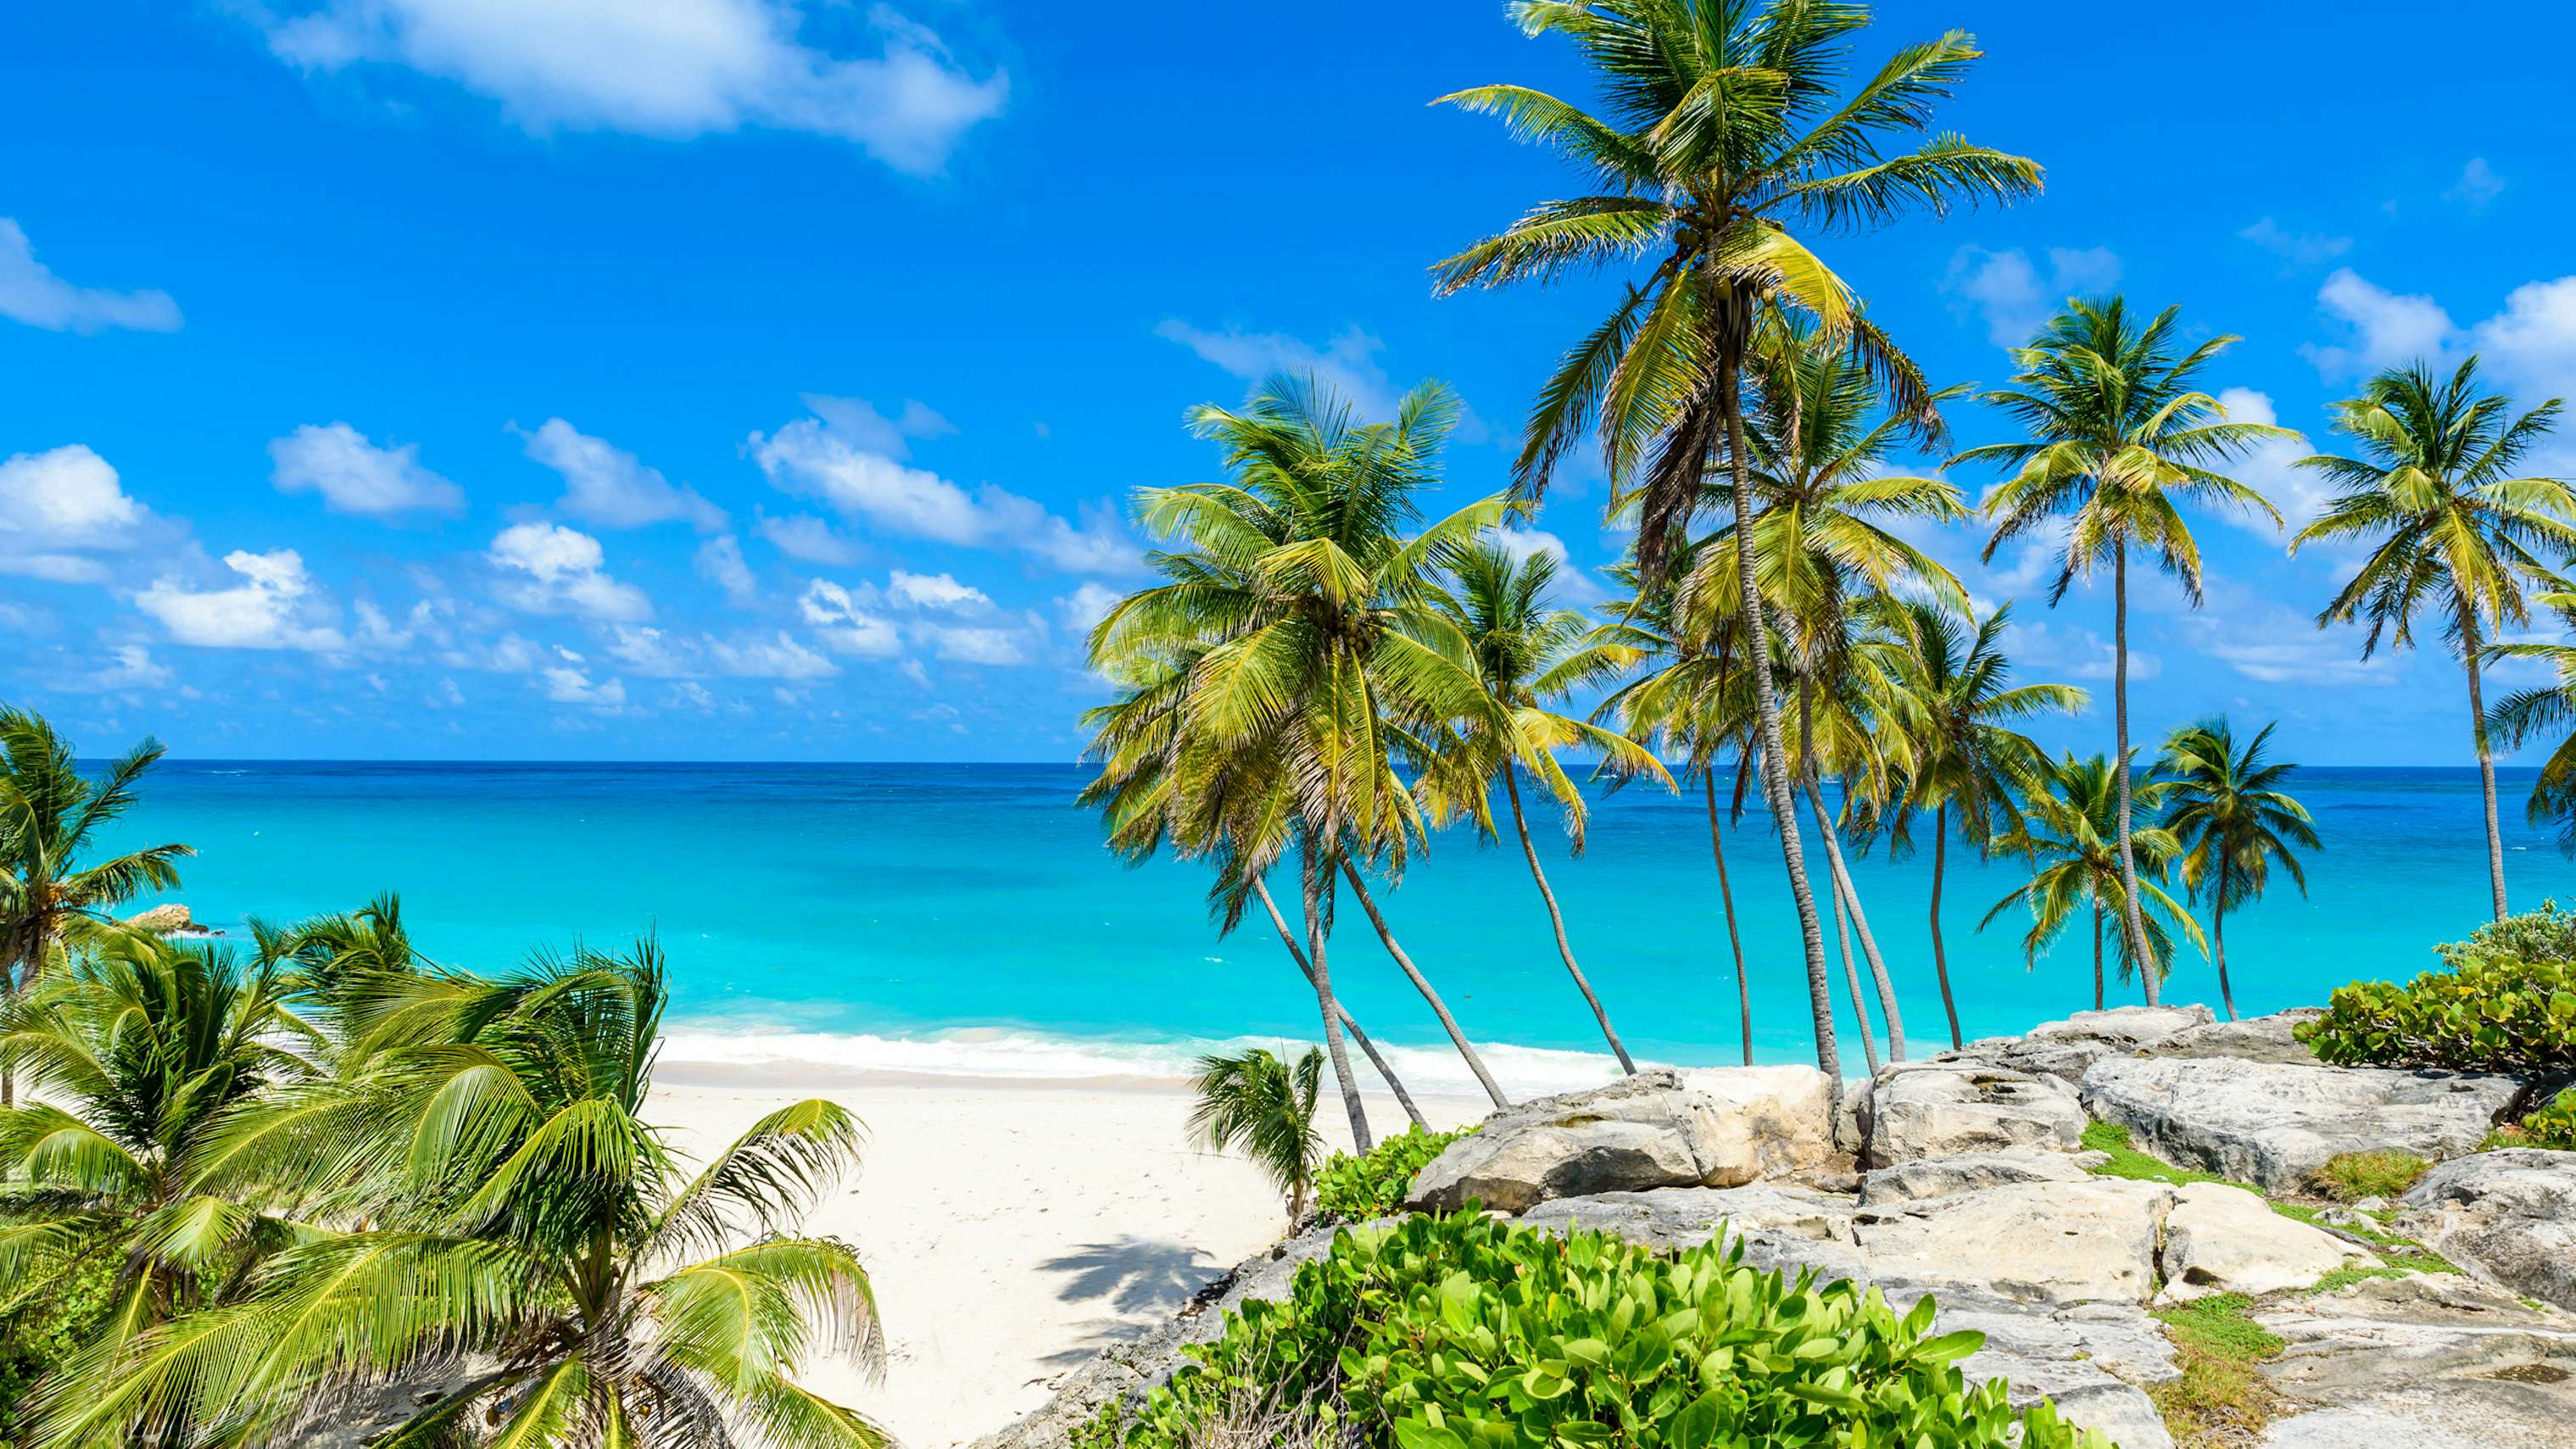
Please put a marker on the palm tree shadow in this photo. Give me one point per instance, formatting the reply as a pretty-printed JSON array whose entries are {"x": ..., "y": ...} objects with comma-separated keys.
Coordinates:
[{"x": 1135, "y": 1274}]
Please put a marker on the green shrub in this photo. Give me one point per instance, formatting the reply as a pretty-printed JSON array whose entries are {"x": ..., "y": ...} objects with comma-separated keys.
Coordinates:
[
  {"x": 54, "y": 1313},
  {"x": 2505, "y": 1002},
  {"x": 1373, "y": 1184},
  {"x": 2352, "y": 1176},
  {"x": 1450, "y": 1332},
  {"x": 2553, "y": 1126}
]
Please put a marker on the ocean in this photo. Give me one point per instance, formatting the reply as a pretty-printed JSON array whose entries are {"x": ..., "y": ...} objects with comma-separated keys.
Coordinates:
[{"x": 966, "y": 919}]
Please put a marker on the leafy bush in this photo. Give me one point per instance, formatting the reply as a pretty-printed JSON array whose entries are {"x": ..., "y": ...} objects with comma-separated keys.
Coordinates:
[
  {"x": 2506, "y": 1002},
  {"x": 1373, "y": 1184},
  {"x": 53, "y": 1314},
  {"x": 1449, "y": 1332},
  {"x": 2352, "y": 1176},
  {"x": 2553, "y": 1126}
]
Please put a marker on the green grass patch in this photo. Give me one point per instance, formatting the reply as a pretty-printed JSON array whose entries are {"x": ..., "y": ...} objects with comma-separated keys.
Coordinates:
[
  {"x": 2222, "y": 1397},
  {"x": 2352, "y": 1176},
  {"x": 2346, "y": 1277},
  {"x": 2402, "y": 1253},
  {"x": 2128, "y": 1162}
]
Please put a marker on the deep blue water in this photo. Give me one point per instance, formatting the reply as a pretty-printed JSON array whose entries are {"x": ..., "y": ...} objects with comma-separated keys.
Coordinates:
[{"x": 889, "y": 912}]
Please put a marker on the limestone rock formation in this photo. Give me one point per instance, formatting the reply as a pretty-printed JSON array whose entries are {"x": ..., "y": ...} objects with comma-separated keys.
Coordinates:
[
  {"x": 2223, "y": 1239},
  {"x": 2272, "y": 1124},
  {"x": 2509, "y": 1217},
  {"x": 1916, "y": 1110},
  {"x": 1639, "y": 1132}
]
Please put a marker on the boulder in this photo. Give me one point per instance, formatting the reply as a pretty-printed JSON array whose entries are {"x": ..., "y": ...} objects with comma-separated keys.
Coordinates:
[
  {"x": 2509, "y": 1217},
  {"x": 2030, "y": 1242},
  {"x": 2063, "y": 1049},
  {"x": 1778, "y": 1119},
  {"x": 1639, "y": 1132},
  {"x": 2091, "y": 1360},
  {"x": 1673, "y": 1218},
  {"x": 165, "y": 919},
  {"x": 1967, "y": 1172},
  {"x": 2272, "y": 1124},
  {"x": 2426, "y": 1361},
  {"x": 2223, "y": 1239},
  {"x": 2255, "y": 1039},
  {"x": 1943, "y": 1109}
]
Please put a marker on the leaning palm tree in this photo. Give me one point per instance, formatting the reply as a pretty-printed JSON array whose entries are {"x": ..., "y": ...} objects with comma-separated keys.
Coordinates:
[
  {"x": 1252, "y": 1101},
  {"x": 2543, "y": 709},
  {"x": 1720, "y": 131},
  {"x": 529, "y": 1243},
  {"x": 2233, "y": 821},
  {"x": 50, "y": 813},
  {"x": 2069, "y": 830},
  {"x": 2119, "y": 433},
  {"x": 1953, "y": 698},
  {"x": 1529, "y": 654},
  {"x": 2437, "y": 499}
]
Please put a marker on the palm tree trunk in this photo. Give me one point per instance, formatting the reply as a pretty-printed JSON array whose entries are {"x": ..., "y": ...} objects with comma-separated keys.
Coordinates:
[
  {"x": 2218, "y": 938},
  {"x": 2130, "y": 918},
  {"x": 1850, "y": 894},
  {"x": 2486, "y": 755},
  {"x": 1318, "y": 885},
  {"x": 1368, "y": 1048},
  {"x": 1941, "y": 963},
  {"x": 1448, "y": 1023},
  {"x": 2098, "y": 999},
  {"x": 1717, "y": 848},
  {"x": 1766, "y": 710},
  {"x": 1556, "y": 918},
  {"x": 1851, "y": 979}
]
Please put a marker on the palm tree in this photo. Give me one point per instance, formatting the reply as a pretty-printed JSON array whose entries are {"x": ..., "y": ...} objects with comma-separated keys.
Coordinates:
[
  {"x": 1528, "y": 654},
  {"x": 1321, "y": 655},
  {"x": 2543, "y": 708},
  {"x": 2436, "y": 499},
  {"x": 1722, "y": 131},
  {"x": 49, "y": 812},
  {"x": 1253, "y": 1101},
  {"x": 528, "y": 1239},
  {"x": 1956, "y": 706},
  {"x": 2119, "y": 431},
  {"x": 2069, "y": 833},
  {"x": 2232, "y": 820}
]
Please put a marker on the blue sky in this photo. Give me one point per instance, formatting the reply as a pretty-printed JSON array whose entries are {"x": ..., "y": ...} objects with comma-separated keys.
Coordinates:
[{"x": 756, "y": 379}]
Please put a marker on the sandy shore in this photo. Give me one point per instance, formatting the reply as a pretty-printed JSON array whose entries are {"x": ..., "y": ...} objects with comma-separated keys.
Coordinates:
[{"x": 1015, "y": 1228}]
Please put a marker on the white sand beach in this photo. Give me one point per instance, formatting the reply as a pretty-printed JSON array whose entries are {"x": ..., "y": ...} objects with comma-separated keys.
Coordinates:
[{"x": 1014, "y": 1228}]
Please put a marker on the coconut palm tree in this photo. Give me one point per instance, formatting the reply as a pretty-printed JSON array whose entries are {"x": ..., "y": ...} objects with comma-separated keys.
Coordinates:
[
  {"x": 1954, "y": 700},
  {"x": 2069, "y": 829},
  {"x": 2542, "y": 709},
  {"x": 1324, "y": 656},
  {"x": 529, "y": 1241},
  {"x": 2119, "y": 432},
  {"x": 2437, "y": 498},
  {"x": 1720, "y": 134},
  {"x": 1252, "y": 1101},
  {"x": 49, "y": 813},
  {"x": 1529, "y": 654},
  {"x": 2228, "y": 813}
]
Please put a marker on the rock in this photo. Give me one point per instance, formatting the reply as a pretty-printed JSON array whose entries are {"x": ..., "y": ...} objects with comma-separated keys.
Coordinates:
[
  {"x": 1967, "y": 1172},
  {"x": 2509, "y": 1217},
  {"x": 2063, "y": 1049},
  {"x": 2031, "y": 1242},
  {"x": 1917, "y": 1110},
  {"x": 165, "y": 919},
  {"x": 1673, "y": 1218},
  {"x": 2272, "y": 1124},
  {"x": 2091, "y": 1360},
  {"x": 2427, "y": 1361},
  {"x": 2223, "y": 1239},
  {"x": 1780, "y": 1119},
  {"x": 1639, "y": 1132},
  {"x": 2255, "y": 1039}
]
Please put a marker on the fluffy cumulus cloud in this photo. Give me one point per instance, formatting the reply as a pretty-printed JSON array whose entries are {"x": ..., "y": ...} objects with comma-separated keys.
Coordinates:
[
  {"x": 2014, "y": 295},
  {"x": 2270, "y": 468},
  {"x": 847, "y": 620},
  {"x": 353, "y": 475},
  {"x": 2384, "y": 328},
  {"x": 1347, "y": 363},
  {"x": 569, "y": 683},
  {"x": 546, "y": 568},
  {"x": 31, "y": 293},
  {"x": 671, "y": 68},
  {"x": 720, "y": 562},
  {"x": 126, "y": 667},
  {"x": 608, "y": 486},
  {"x": 1086, "y": 606},
  {"x": 806, "y": 538},
  {"x": 61, "y": 507},
  {"x": 276, "y": 605},
  {"x": 660, "y": 654},
  {"x": 935, "y": 591},
  {"x": 2528, "y": 345}
]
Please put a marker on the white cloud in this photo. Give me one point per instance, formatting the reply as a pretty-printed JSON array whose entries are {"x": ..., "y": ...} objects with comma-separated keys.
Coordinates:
[
  {"x": 719, "y": 560},
  {"x": 935, "y": 591},
  {"x": 807, "y": 538},
  {"x": 58, "y": 505},
  {"x": 779, "y": 656},
  {"x": 2008, "y": 290},
  {"x": 858, "y": 420},
  {"x": 607, "y": 485},
  {"x": 444, "y": 695},
  {"x": 1575, "y": 585},
  {"x": 569, "y": 684},
  {"x": 846, "y": 621},
  {"x": 128, "y": 667},
  {"x": 2532, "y": 342},
  {"x": 2042, "y": 650},
  {"x": 671, "y": 68},
  {"x": 2261, "y": 640},
  {"x": 2478, "y": 185},
  {"x": 273, "y": 607},
  {"x": 2269, "y": 468},
  {"x": 2303, "y": 249},
  {"x": 2387, "y": 329},
  {"x": 1348, "y": 363},
  {"x": 32, "y": 294},
  {"x": 563, "y": 574},
  {"x": 355, "y": 476},
  {"x": 1086, "y": 606},
  {"x": 976, "y": 645}
]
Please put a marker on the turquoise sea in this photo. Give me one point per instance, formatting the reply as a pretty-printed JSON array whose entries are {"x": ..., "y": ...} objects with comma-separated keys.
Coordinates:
[{"x": 967, "y": 919}]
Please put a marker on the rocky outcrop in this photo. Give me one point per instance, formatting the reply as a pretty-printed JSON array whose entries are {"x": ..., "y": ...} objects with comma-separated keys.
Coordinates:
[
  {"x": 2427, "y": 1361},
  {"x": 1674, "y": 1218},
  {"x": 1916, "y": 1110},
  {"x": 1780, "y": 1120},
  {"x": 2064, "y": 1049},
  {"x": 2092, "y": 1360},
  {"x": 1967, "y": 1172},
  {"x": 2030, "y": 1242},
  {"x": 1639, "y": 1132},
  {"x": 2223, "y": 1239},
  {"x": 2509, "y": 1217},
  {"x": 167, "y": 919},
  {"x": 2255, "y": 1039},
  {"x": 2273, "y": 1124}
]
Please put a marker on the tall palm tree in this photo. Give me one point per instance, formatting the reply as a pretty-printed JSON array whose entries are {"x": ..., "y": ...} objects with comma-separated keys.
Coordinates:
[
  {"x": 49, "y": 813},
  {"x": 528, "y": 1236},
  {"x": 1252, "y": 1101},
  {"x": 1721, "y": 130},
  {"x": 2541, "y": 709},
  {"x": 1323, "y": 656},
  {"x": 2436, "y": 498},
  {"x": 1954, "y": 700},
  {"x": 2069, "y": 829},
  {"x": 1529, "y": 654},
  {"x": 2119, "y": 432},
  {"x": 2232, "y": 820}
]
